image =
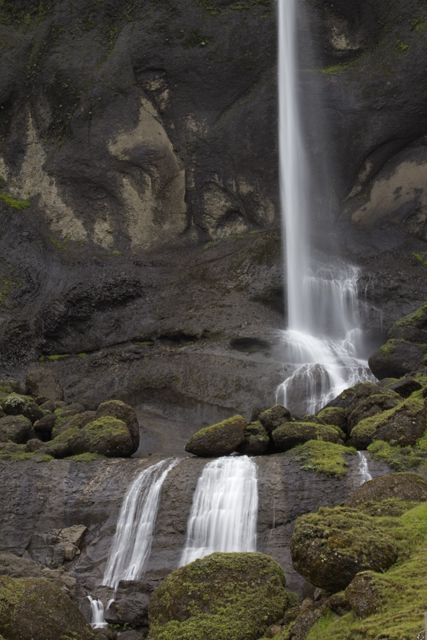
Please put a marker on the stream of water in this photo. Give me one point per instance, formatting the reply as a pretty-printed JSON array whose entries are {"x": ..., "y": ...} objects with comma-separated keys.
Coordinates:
[
  {"x": 132, "y": 541},
  {"x": 225, "y": 509},
  {"x": 323, "y": 338}
]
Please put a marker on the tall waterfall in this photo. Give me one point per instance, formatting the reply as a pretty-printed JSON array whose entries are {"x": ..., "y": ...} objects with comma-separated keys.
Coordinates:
[
  {"x": 225, "y": 509},
  {"x": 132, "y": 541},
  {"x": 323, "y": 338}
]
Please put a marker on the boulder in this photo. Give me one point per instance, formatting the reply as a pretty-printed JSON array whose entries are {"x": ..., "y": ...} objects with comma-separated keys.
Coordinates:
[
  {"x": 224, "y": 595},
  {"x": 331, "y": 546},
  {"x": 35, "y": 444},
  {"x": 291, "y": 434},
  {"x": 122, "y": 411},
  {"x": 106, "y": 436},
  {"x": 405, "y": 386},
  {"x": 369, "y": 400},
  {"x": 78, "y": 421},
  {"x": 364, "y": 594},
  {"x": 16, "y": 404},
  {"x": 412, "y": 327},
  {"x": 72, "y": 409},
  {"x": 16, "y": 567},
  {"x": 335, "y": 416},
  {"x": 14, "y": 428},
  {"x": 274, "y": 417},
  {"x": 43, "y": 382},
  {"x": 131, "y": 609},
  {"x": 256, "y": 440},
  {"x": 44, "y": 426},
  {"x": 37, "y": 609},
  {"x": 402, "y": 425},
  {"x": 219, "y": 439},
  {"x": 11, "y": 385},
  {"x": 405, "y": 486},
  {"x": 343, "y": 400},
  {"x": 70, "y": 540},
  {"x": 395, "y": 359}
]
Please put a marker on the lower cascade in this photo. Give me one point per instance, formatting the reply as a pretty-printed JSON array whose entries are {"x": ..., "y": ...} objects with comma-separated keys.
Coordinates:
[
  {"x": 225, "y": 509},
  {"x": 134, "y": 534},
  {"x": 364, "y": 474},
  {"x": 98, "y": 621}
]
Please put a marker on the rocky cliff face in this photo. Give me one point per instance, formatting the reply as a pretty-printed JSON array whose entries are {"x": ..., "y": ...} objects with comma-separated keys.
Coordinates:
[{"x": 41, "y": 499}]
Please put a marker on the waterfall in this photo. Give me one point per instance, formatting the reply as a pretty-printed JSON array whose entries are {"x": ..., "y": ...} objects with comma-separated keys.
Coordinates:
[
  {"x": 364, "y": 475},
  {"x": 132, "y": 541},
  {"x": 323, "y": 339},
  {"x": 98, "y": 620},
  {"x": 225, "y": 509}
]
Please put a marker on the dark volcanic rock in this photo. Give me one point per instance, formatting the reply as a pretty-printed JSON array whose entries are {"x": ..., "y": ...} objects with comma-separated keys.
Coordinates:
[
  {"x": 16, "y": 404},
  {"x": 256, "y": 440},
  {"x": 45, "y": 425},
  {"x": 369, "y": 400},
  {"x": 123, "y": 412},
  {"x": 43, "y": 382},
  {"x": 396, "y": 358},
  {"x": 14, "y": 428},
  {"x": 291, "y": 434},
  {"x": 402, "y": 425},
  {"x": 406, "y": 486},
  {"x": 364, "y": 594},
  {"x": 219, "y": 439},
  {"x": 274, "y": 417}
]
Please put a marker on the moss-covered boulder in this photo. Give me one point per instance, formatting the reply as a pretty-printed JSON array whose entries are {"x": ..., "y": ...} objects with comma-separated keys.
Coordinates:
[
  {"x": 335, "y": 416},
  {"x": 44, "y": 426},
  {"x": 330, "y": 547},
  {"x": 121, "y": 411},
  {"x": 291, "y": 434},
  {"x": 36, "y": 609},
  {"x": 403, "y": 425},
  {"x": 397, "y": 358},
  {"x": 274, "y": 417},
  {"x": 364, "y": 593},
  {"x": 225, "y": 595},
  {"x": 405, "y": 486},
  {"x": 77, "y": 421},
  {"x": 16, "y": 404},
  {"x": 44, "y": 383},
  {"x": 256, "y": 440},
  {"x": 106, "y": 436},
  {"x": 325, "y": 458},
  {"x": 369, "y": 400},
  {"x": 405, "y": 386},
  {"x": 14, "y": 428},
  {"x": 219, "y": 439}
]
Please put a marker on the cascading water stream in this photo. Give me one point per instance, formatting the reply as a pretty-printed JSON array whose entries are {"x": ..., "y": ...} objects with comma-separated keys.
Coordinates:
[
  {"x": 225, "y": 509},
  {"x": 97, "y": 608},
  {"x": 323, "y": 338},
  {"x": 132, "y": 541},
  {"x": 364, "y": 475}
]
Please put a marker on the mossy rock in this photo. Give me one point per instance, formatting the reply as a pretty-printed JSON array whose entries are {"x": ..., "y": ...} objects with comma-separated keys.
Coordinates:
[
  {"x": 412, "y": 327},
  {"x": 400, "y": 458},
  {"x": 292, "y": 434},
  {"x": 36, "y": 609},
  {"x": 402, "y": 425},
  {"x": 256, "y": 440},
  {"x": 365, "y": 406},
  {"x": 343, "y": 400},
  {"x": 122, "y": 411},
  {"x": 386, "y": 606},
  {"x": 397, "y": 358},
  {"x": 14, "y": 428},
  {"x": 335, "y": 416},
  {"x": 17, "y": 404},
  {"x": 224, "y": 595},
  {"x": 78, "y": 421},
  {"x": 107, "y": 437},
  {"x": 325, "y": 458},
  {"x": 274, "y": 417},
  {"x": 405, "y": 486},
  {"x": 219, "y": 439},
  {"x": 330, "y": 547}
]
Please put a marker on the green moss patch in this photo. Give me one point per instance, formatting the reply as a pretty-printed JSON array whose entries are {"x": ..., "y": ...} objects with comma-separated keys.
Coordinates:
[
  {"x": 14, "y": 202},
  {"x": 326, "y": 458},
  {"x": 85, "y": 457}
]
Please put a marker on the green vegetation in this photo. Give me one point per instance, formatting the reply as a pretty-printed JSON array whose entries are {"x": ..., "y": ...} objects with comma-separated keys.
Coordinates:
[
  {"x": 145, "y": 343},
  {"x": 35, "y": 456},
  {"x": 58, "y": 356},
  {"x": 339, "y": 69},
  {"x": 60, "y": 245},
  {"x": 13, "y": 201},
  {"x": 401, "y": 592},
  {"x": 325, "y": 458},
  {"x": 85, "y": 457},
  {"x": 422, "y": 257},
  {"x": 400, "y": 458}
]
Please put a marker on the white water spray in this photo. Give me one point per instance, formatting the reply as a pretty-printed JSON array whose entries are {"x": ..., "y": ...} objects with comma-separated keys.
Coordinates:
[
  {"x": 323, "y": 338},
  {"x": 97, "y": 608},
  {"x": 364, "y": 475},
  {"x": 132, "y": 541},
  {"x": 225, "y": 509}
]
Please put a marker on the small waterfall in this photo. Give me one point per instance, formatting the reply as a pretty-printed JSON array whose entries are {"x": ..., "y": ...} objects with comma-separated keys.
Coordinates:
[
  {"x": 132, "y": 541},
  {"x": 364, "y": 475},
  {"x": 98, "y": 620},
  {"x": 323, "y": 338},
  {"x": 225, "y": 509}
]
